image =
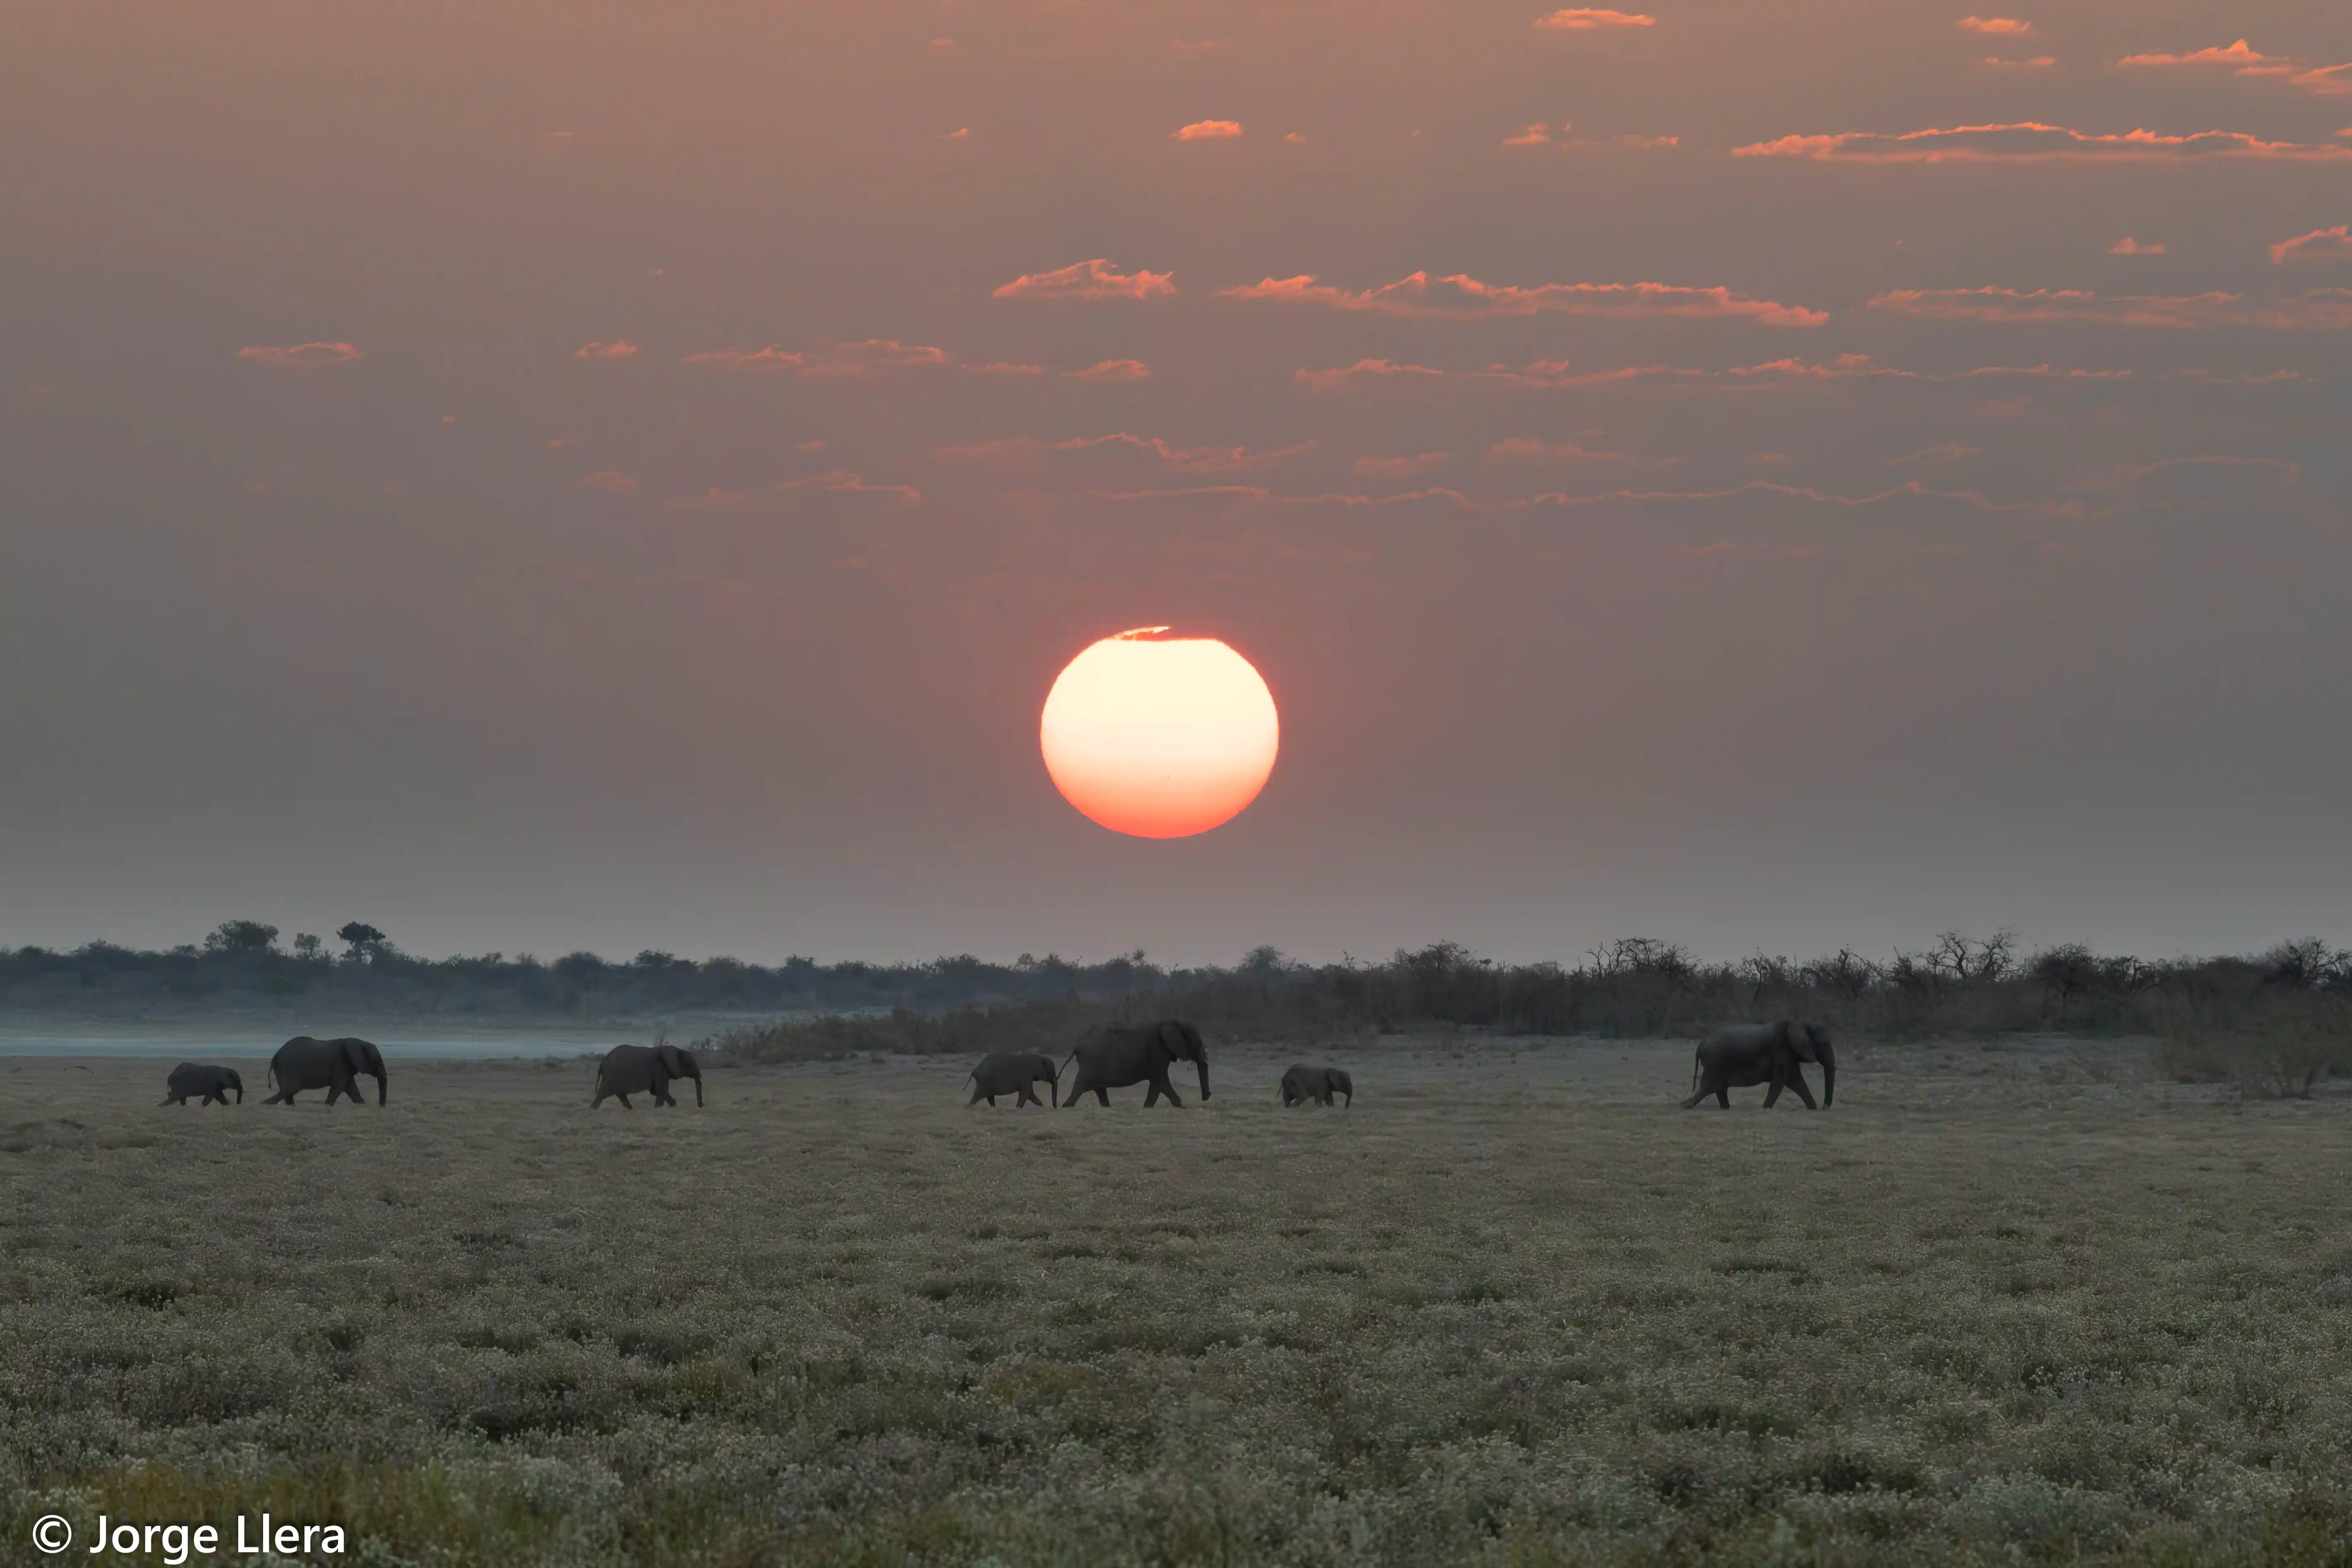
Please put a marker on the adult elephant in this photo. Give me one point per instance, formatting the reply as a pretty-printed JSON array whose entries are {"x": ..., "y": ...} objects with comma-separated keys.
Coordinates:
[
  {"x": 334, "y": 1065},
  {"x": 1010, "y": 1072},
  {"x": 1302, "y": 1084},
  {"x": 1116, "y": 1054},
  {"x": 208, "y": 1083},
  {"x": 1749, "y": 1054},
  {"x": 639, "y": 1069}
]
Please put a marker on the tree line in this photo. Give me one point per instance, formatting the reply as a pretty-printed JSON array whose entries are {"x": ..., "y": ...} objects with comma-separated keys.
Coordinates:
[{"x": 1957, "y": 985}]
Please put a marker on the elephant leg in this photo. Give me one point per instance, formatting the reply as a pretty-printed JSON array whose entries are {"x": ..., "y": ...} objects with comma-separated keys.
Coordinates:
[
  {"x": 1773, "y": 1093},
  {"x": 1797, "y": 1082},
  {"x": 1161, "y": 1086},
  {"x": 1103, "y": 1095},
  {"x": 1692, "y": 1103},
  {"x": 1723, "y": 1094},
  {"x": 1028, "y": 1097},
  {"x": 625, "y": 1103},
  {"x": 976, "y": 1096}
]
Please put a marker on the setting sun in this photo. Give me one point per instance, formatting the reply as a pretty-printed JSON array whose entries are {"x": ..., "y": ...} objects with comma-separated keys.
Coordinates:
[{"x": 1159, "y": 738}]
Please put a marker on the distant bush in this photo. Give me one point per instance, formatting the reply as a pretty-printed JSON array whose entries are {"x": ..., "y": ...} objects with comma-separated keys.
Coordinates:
[{"x": 2286, "y": 1059}]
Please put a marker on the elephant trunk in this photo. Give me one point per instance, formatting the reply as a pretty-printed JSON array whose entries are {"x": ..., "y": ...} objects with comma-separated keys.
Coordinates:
[
  {"x": 698, "y": 1091},
  {"x": 1829, "y": 1073},
  {"x": 1202, "y": 1063},
  {"x": 383, "y": 1085}
]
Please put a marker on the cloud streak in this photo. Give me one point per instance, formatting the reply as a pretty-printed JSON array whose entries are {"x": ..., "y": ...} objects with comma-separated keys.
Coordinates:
[
  {"x": 2031, "y": 141},
  {"x": 2246, "y": 59},
  {"x": 833, "y": 481},
  {"x": 2319, "y": 245},
  {"x": 869, "y": 357},
  {"x": 1545, "y": 375},
  {"x": 1587, "y": 19},
  {"x": 300, "y": 356},
  {"x": 1208, "y": 131},
  {"x": 1996, "y": 27},
  {"x": 1111, "y": 370},
  {"x": 1461, "y": 295},
  {"x": 2321, "y": 309},
  {"x": 1029, "y": 452},
  {"x": 1089, "y": 280}
]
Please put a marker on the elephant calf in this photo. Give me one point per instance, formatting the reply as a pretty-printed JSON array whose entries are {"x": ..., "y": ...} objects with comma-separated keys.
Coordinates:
[
  {"x": 1009, "y": 1072},
  {"x": 638, "y": 1069},
  {"x": 210, "y": 1083},
  {"x": 1751, "y": 1054},
  {"x": 1302, "y": 1084}
]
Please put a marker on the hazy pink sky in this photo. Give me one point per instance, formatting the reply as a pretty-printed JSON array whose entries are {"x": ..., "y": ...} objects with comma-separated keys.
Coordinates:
[{"x": 538, "y": 475}]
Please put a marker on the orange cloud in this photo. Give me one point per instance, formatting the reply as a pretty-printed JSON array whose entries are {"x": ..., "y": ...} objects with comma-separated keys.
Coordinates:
[
  {"x": 2325, "y": 81},
  {"x": 2033, "y": 142},
  {"x": 1095, "y": 279},
  {"x": 2323, "y": 310},
  {"x": 1371, "y": 467},
  {"x": 300, "y": 356},
  {"x": 619, "y": 347},
  {"x": 2319, "y": 245},
  {"x": 2127, "y": 246},
  {"x": 1997, "y": 26},
  {"x": 1550, "y": 375},
  {"x": 1950, "y": 452},
  {"x": 2236, "y": 54},
  {"x": 1523, "y": 449},
  {"x": 1207, "y": 131},
  {"x": 1111, "y": 370},
  {"x": 833, "y": 482},
  {"x": 771, "y": 358},
  {"x": 611, "y": 481},
  {"x": 1463, "y": 296},
  {"x": 2282, "y": 474},
  {"x": 1582, "y": 19},
  {"x": 1003, "y": 367},
  {"x": 872, "y": 356},
  {"x": 2039, "y": 62},
  {"x": 1536, "y": 136},
  {"x": 1028, "y": 452}
]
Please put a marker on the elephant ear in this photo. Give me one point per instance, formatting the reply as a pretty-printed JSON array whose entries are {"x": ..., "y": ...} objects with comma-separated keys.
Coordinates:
[
  {"x": 355, "y": 1055},
  {"x": 669, "y": 1062}
]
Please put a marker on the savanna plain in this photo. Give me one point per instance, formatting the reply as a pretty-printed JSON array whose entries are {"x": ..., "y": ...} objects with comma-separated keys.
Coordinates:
[{"x": 2015, "y": 1300}]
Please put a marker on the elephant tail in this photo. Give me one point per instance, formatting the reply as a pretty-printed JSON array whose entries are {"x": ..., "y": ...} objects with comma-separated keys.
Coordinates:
[{"x": 1695, "y": 1060}]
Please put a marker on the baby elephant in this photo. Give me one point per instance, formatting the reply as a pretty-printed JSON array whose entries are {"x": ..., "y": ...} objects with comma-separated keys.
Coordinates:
[
  {"x": 1301, "y": 1084},
  {"x": 641, "y": 1069},
  {"x": 210, "y": 1082},
  {"x": 1007, "y": 1072}
]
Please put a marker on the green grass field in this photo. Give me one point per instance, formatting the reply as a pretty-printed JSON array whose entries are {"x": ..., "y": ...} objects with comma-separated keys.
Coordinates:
[{"x": 2010, "y": 1302}]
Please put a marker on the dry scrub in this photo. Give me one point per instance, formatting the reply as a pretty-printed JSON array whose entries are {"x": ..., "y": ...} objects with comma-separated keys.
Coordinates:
[{"x": 2003, "y": 1303}]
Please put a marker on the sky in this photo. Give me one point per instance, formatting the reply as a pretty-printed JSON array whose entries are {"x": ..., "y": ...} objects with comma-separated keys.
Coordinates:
[{"x": 1764, "y": 475}]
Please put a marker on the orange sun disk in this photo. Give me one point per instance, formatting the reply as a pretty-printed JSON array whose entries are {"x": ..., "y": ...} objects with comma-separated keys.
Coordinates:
[{"x": 1159, "y": 738}]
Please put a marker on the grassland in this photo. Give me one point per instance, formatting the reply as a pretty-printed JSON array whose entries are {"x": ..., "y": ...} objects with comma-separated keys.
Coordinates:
[{"x": 2014, "y": 1301}]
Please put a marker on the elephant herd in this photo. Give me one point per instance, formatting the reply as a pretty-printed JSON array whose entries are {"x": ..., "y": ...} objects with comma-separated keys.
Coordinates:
[
  {"x": 338, "y": 1065},
  {"x": 1116, "y": 1055},
  {"x": 1113, "y": 1056}
]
